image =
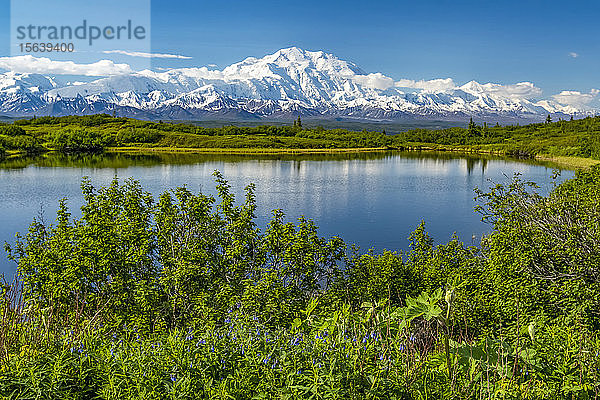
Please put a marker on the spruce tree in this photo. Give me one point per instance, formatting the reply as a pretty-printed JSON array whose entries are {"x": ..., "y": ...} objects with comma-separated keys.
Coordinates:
[{"x": 472, "y": 127}]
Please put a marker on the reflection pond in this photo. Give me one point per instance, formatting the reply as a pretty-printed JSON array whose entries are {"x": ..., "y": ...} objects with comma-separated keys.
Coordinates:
[{"x": 374, "y": 200}]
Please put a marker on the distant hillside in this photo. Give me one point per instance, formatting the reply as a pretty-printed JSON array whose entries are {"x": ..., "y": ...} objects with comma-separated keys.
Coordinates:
[{"x": 575, "y": 138}]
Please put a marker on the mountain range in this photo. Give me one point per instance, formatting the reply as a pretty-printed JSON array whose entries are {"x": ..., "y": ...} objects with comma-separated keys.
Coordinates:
[{"x": 282, "y": 85}]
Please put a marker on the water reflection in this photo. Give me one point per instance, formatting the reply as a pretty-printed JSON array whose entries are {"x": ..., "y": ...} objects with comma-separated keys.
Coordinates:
[
  {"x": 122, "y": 160},
  {"x": 371, "y": 199}
]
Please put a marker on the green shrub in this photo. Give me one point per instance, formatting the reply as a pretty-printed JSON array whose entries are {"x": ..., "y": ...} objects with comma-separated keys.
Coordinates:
[
  {"x": 25, "y": 143},
  {"x": 11, "y": 130},
  {"x": 186, "y": 298},
  {"x": 138, "y": 135},
  {"x": 79, "y": 141}
]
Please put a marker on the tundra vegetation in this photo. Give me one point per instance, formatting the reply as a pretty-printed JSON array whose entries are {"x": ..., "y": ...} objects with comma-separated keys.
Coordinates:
[
  {"x": 95, "y": 133},
  {"x": 183, "y": 296}
]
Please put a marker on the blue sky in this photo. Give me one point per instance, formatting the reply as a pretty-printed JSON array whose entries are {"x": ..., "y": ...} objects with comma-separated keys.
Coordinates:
[{"x": 503, "y": 42}]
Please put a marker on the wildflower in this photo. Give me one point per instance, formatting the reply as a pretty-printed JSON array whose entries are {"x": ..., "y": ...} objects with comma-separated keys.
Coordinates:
[{"x": 173, "y": 378}]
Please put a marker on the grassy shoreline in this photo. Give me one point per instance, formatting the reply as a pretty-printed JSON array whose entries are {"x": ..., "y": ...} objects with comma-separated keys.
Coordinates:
[
  {"x": 568, "y": 162},
  {"x": 233, "y": 150},
  {"x": 566, "y": 144}
]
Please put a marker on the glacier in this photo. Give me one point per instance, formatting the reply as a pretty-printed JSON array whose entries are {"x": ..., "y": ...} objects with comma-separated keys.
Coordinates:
[{"x": 285, "y": 84}]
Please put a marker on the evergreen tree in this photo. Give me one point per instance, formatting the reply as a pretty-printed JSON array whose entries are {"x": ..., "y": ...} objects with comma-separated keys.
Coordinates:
[
  {"x": 548, "y": 119},
  {"x": 472, "y": 127},
  {"x": 299, "y": 123}
]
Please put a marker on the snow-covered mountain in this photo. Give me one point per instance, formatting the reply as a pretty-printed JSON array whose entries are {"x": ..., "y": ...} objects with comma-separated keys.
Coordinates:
[{"x": 287, "y": 83}]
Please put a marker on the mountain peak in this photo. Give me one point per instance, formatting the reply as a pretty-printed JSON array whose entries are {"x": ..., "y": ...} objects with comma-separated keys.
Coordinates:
[{"x": 290, "y": 80}]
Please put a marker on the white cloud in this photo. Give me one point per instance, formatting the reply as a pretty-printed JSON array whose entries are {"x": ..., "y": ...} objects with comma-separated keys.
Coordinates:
[
  {"x": 517, "y": 91},
  {"x": 43, "y": 65},
  {"x": 433, "y": 85},
  {"x": 575, "y": 98},
  {"x": 146, "y": 55},
  {"x": 375, "y": 81},
  {"x": 573, "y": 54},
  {"x": 212, "y": 65},
  {"x": 195, "y": 73}
]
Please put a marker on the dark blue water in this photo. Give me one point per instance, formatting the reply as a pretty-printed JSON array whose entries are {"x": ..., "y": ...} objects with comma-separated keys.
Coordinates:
[{"x": 373, "y": 200}]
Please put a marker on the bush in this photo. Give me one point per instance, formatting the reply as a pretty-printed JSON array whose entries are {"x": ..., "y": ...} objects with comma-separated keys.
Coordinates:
[
  {"x": 25, "y": 143},
  {"x": 543, "y": 256},
  {"x": 173, "y": 263},
  {"x": 11, "y": 130},
  {"x": 138, "y": 135},
  {"x": 78, "y": 141},
  {"x": 187, "y": 297}
]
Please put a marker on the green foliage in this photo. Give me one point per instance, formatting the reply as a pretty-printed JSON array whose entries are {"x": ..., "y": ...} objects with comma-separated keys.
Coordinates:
[
  {"x": 374, "y": 354},
  {"x": 129, "y": 261},
  {"x": 78, "y": 141},
  {"x": 561, "y": 138},
  {"x": 590, "y": 146},
  {"x": 26, "y": 143},
  {"x": 544, "y": 254},
  {"x": 11, "y": 130},
  {"x": 137, "y": 135},
  {"x": 185, "y": 297}
]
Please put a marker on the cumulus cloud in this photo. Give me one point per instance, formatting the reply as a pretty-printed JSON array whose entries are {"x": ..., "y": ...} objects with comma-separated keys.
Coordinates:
[
  {"x": 43, "y": 65},
  {"x": 146, "y": 55},
  {"x": 375, "y": 81},
  {"x": 575, "y": 98},
  {"x": 194, "y": 73},
  {"x": 517, "y": 91},
  {"x": 430, "y": 85},
  {"x": 212, "y": 65},
  {"x": 573, "y": 54}
]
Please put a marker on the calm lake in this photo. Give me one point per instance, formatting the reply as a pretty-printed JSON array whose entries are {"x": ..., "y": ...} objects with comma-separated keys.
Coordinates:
[{"x": 373, "y": 200}]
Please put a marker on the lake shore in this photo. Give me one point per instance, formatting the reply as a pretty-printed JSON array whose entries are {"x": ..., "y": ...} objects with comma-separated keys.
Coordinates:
[
  {"x": 568, "y": 162},
  {"x": 233, "y": 150}
]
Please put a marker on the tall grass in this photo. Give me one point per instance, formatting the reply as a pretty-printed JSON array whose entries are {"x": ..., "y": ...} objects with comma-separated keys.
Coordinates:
[{"x": 378, "y": 352}]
